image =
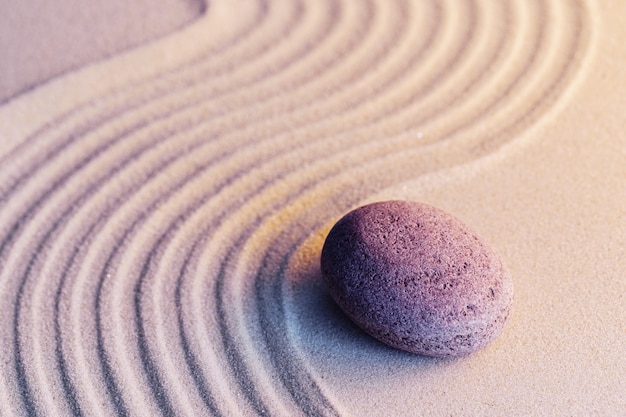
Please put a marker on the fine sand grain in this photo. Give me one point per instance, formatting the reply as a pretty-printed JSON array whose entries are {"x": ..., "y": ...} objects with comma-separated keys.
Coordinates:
[{"x": 163, "y": 210}]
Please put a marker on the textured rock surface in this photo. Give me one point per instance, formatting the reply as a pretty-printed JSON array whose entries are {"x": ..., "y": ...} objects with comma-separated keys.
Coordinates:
[{"x": 417, "y": 278}]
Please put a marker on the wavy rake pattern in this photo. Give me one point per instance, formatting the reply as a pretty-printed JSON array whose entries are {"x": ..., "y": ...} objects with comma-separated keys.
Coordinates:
[{"x": 146, "y": 235}]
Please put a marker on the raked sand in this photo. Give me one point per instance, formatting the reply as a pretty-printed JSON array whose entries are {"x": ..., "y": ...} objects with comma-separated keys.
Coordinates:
[{"x": 164, "y": 204}]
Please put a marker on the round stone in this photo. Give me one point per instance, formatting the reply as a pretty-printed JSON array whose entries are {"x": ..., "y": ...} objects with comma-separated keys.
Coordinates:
[{"x": 417, "y": 278}]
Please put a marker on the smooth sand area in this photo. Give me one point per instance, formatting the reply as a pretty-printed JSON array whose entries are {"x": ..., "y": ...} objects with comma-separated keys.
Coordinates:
[{"x": 40, "y": 40}]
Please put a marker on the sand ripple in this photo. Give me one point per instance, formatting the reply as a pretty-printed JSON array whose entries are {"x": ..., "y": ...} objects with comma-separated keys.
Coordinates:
[{"x": 148, "y": 235}]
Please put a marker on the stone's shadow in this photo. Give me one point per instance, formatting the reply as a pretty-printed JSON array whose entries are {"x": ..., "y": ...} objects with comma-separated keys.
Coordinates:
[{"x": 330, "y": 341}]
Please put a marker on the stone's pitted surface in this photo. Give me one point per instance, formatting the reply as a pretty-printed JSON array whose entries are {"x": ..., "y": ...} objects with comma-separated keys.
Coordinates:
[{"x": 417, "y": 278}]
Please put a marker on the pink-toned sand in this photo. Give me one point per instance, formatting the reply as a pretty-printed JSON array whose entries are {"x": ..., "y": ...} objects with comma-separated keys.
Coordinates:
[{"x": 164, "y": 201}]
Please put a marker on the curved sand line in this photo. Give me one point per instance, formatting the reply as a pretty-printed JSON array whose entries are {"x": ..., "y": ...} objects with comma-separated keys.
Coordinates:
[{"x": 122, "y": 198}]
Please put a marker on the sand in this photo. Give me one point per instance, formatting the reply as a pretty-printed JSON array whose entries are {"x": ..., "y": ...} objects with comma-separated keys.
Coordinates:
[{"x": 163, "y": 208}]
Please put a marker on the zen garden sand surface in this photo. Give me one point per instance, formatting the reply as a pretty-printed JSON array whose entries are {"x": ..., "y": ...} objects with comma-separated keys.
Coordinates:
[{"x": 169, "y": 173}]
